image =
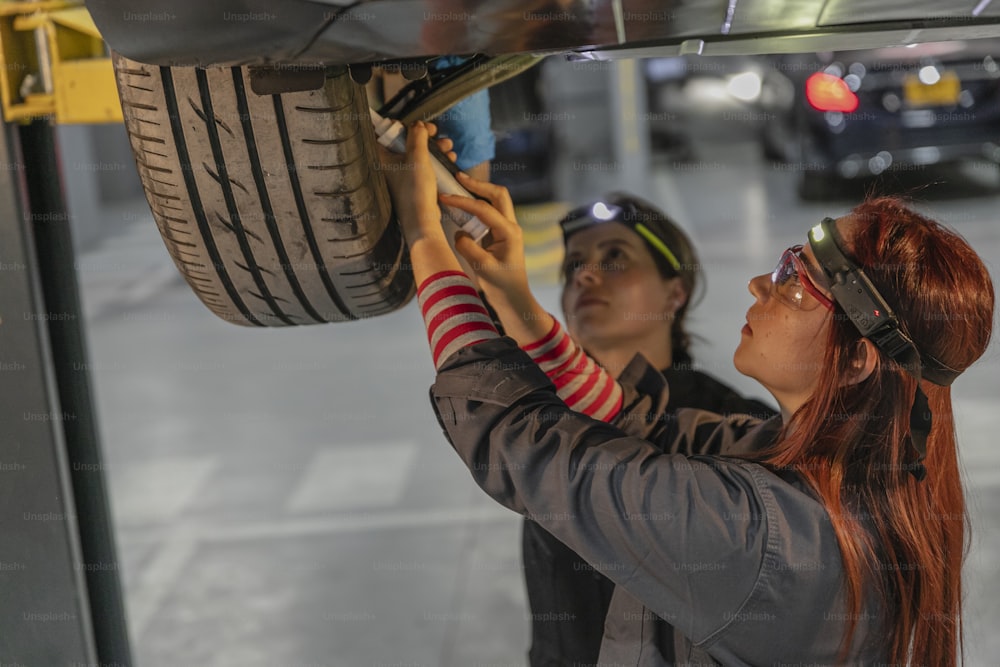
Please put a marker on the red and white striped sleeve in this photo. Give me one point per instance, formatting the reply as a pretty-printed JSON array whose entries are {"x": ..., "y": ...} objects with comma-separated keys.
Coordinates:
[
  {"x": 453, "y": 314},
  {"x": 582, "y": 384}
]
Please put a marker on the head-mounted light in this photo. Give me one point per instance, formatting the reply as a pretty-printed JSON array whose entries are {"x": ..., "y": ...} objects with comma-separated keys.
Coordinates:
[
  {"x": 868, "y": 310},
  {"x": 627, "y": 215},
  {"x": 874, "y": 319}
]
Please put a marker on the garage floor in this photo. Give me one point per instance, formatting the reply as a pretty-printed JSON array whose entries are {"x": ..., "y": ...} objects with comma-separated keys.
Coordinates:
[{"x": 285, "y": 498}]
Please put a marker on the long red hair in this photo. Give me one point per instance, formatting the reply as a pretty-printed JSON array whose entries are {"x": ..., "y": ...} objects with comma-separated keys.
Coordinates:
[{"x": 904, "y": 537}]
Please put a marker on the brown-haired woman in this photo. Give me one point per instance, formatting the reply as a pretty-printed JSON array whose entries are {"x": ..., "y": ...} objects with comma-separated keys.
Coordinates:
[
  {"x": 828, "y": 536},
  {"x": 630, "y": 275}
]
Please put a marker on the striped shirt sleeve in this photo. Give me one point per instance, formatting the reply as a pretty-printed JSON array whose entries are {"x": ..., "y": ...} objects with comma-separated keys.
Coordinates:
[
  {"x": 453, "y": 314},
  {"x": 580, "y": 382}
]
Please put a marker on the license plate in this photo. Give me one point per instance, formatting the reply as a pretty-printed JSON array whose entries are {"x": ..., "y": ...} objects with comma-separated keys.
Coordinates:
[{"x": 944, "y": 93}]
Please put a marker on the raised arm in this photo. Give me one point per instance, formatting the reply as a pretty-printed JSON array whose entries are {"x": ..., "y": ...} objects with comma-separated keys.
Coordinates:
[
  {"x": 501, "y": 273},
  {"x": 453, "y": 313},
  {"x": 414, "y": 193}
]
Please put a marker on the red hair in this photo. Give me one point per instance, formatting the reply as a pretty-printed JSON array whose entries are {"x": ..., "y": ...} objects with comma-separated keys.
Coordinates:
[{"x": 902, "y": 538}]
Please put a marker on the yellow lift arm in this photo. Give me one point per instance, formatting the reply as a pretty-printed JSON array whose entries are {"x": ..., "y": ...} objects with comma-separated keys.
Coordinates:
[{"x": 54, "y": 64}]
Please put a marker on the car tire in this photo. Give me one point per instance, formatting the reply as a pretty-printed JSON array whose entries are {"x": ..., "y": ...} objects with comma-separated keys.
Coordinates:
[{"x": 272, "y": 207}]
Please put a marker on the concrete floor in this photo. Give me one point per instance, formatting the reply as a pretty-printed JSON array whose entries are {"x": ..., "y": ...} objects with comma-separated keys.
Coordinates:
[{"x": 285, "y": 497}]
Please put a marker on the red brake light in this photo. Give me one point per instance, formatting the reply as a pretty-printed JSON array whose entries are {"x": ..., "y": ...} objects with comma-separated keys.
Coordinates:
[{"x": 827, "y": 92}]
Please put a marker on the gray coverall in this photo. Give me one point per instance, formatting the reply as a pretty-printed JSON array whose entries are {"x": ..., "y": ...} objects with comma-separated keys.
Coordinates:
[{"x": 716, "y": 560}]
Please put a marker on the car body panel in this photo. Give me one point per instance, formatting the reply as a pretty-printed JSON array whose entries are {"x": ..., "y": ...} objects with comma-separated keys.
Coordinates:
[{"x": 226, "y": 32}]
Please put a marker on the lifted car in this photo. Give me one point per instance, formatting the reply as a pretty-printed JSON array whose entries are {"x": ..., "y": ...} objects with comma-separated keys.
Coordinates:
[{"x": 250, "y": 127}]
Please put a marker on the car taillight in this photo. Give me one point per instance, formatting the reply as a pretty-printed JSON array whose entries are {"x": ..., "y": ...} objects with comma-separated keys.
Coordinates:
[{"x": 827, "y": 92}]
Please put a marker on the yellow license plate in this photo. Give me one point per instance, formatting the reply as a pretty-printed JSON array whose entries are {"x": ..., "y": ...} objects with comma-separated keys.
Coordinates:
[{"x": 944, "y": 93}]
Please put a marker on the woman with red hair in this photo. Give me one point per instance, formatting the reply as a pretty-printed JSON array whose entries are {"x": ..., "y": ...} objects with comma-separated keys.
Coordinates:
[{"x": 833, "y": 534}]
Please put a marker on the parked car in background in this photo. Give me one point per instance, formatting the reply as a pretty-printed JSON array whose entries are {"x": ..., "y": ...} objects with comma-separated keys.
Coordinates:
[{"x": 852, "y": 114}]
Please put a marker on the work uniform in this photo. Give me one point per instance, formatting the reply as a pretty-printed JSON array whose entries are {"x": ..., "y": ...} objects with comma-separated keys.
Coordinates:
[
  {"x": 568, "y": 598},
  {"x": 716, "y": 560}
]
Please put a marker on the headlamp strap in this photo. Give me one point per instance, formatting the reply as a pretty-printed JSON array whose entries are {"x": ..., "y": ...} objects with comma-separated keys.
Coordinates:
[
  {"x": 898, "y": 346},
  {"x": 873, "y": 318},
  {"x": 920, "y": 428}
]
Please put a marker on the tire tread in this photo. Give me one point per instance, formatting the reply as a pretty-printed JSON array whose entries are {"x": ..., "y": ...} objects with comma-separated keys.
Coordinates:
[{"x": 270, "y": 206}]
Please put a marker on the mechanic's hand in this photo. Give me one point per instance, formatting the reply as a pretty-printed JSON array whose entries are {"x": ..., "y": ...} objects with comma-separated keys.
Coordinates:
[
  {"x": 500, "y": 267},
  {"x": 412, "y": 184}
]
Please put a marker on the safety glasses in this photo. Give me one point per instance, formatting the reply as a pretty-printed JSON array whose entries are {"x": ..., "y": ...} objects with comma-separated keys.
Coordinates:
[{"x": 791, "y": 281}]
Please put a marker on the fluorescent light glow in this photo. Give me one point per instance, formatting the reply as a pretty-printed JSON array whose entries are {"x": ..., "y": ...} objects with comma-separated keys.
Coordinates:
[
  {"x": 817, "y": 232},
  {"x": 745, "y": 86},
  {"x": 929, "y": 75}
]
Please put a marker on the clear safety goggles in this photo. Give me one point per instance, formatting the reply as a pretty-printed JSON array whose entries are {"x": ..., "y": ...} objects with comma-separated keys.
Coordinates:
[{"x": 791, "y": 281}]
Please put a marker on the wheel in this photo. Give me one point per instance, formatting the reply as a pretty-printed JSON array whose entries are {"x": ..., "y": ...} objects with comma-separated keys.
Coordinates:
[{"x": 272, "y": 207}]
